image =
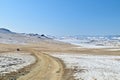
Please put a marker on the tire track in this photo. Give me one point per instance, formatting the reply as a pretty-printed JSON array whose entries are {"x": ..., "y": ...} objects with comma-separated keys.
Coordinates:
[{"x": 46, "y": 68}]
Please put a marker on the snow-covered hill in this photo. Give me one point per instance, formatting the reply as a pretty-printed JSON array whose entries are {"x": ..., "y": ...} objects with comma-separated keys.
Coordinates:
[{"x": 7, "y": 36}]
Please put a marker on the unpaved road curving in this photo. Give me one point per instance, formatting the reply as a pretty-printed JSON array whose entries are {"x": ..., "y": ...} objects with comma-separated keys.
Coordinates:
[{"x": 46, "y": 68}]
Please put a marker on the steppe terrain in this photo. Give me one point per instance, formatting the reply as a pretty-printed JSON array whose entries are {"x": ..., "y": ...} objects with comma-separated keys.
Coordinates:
[
  {"x": 47, "y": 67},
  {"x": 44, "y": 68},
  {"x": 35, "y": 57}
]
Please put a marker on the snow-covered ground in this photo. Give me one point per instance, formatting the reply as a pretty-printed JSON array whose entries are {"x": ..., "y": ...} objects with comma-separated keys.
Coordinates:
[
  {"x": 11, "y": 62},
  {"x": 86, "y": 44},
  {"x": 92, "y": 42},
  {"x": 92, "y": 67}
]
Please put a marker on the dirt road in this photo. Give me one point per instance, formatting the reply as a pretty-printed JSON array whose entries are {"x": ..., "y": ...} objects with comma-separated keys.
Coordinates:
[{"x": 46, "y": 68}]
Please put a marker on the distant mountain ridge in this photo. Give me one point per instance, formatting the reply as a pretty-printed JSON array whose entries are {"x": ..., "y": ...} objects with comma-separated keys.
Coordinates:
[
  {"x": 9, "y": 37},
  {"x": 5, "y": 31}
]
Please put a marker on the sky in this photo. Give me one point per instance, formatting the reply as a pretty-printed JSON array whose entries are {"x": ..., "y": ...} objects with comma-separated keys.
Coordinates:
[{"x": 61, "y": 17}]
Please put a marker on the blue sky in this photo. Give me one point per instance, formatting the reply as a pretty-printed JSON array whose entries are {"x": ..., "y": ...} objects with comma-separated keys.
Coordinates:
[{"x": 61, "y": 17}]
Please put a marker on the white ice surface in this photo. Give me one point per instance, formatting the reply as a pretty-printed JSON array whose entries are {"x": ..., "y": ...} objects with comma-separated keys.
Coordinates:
[
  {"x": 95, "y": 44},
  {"x": 92, "y": 67},
  {"x": 10, "y": 62}
]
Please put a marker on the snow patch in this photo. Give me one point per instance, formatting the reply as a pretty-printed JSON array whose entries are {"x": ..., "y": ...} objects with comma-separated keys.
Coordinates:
[
  {"x": 11, "y": 62},
  {"x": 92, "y": 67},
  {"x": 92, "y": 42}
]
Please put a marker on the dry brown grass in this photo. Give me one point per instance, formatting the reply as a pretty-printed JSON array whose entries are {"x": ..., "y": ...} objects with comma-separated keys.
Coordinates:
[{"x": 47, "y": 67}]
